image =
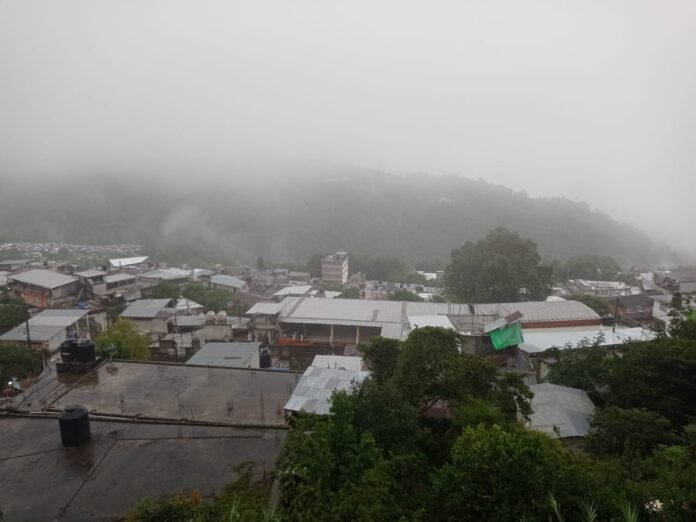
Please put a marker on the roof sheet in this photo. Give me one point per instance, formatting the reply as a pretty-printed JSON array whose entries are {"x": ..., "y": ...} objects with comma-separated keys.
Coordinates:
[
  {"x": 362, "y": 310},
  {"x": 45, "y": 325},
  {"x": 343, "y": 362},
  {"x": 439, "y": 321},
  {"x": 43, "y": 278},
  {"x": 188, "y": 304},
  {"x": 294, "y": 290},
  {"x": 540, "y": 341},
  {"x": 127, "y": 261},
  {"x": 313, "y": 392},
  {"x": 560, "y": 410},
  {"x": 167, "y": 274},
  {"x": 145, "y": 308},
  {"x": 232, "y": 355},
  {"x": 227, "y": 280},
  {"x": 92, "y": 272}
]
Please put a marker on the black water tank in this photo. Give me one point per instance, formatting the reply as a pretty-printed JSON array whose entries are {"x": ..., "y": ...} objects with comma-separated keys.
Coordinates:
[
  {"x": 84, "y": 352},
  {"x": 68, "y": 350},
  {"x": 265, "y": 359},
  {"x": 74, "y": 425}
]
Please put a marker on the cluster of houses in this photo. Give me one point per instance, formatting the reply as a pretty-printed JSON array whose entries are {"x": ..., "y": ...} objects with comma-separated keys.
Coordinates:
[
  {"x": 221, "y": 390},
  {"x": 647, "y": 302}
]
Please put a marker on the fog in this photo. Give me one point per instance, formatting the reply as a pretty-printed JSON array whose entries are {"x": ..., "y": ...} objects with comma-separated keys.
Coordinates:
[{"x": 590, "y": 100}]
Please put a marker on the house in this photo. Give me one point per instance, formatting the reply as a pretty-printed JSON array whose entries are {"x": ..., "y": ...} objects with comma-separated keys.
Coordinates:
[
  {"x": 151, "y": 316},
  {"x": 121, "y": 286},
  {"x": 334, "y": 268},
  {"x": 156, "y": 429},
  {"x": 292, "y": 291},
  {"x": 44, "y": 288},
  {"x": 11, "y": 265},
  {"x": 227, "y": 282},
  {"x": 560, "y": 411},
  {"x": 598, "y": 288},
  {"x": 48, "y": 329},
  {"x": 189, "y": 306},
  {"x": 340, "y": 362},
  {"x": 675, "y": 281},
  {"x": 351, "y": 321},
  {"x": 231, "y": 355},
  {"x": 536, "y": 342},
  {"x": 313, "y": 393},
  {"x": 172, "y": 275},
  {"x": 128, "y": 262},
  {"x": 636, "y": 308}
]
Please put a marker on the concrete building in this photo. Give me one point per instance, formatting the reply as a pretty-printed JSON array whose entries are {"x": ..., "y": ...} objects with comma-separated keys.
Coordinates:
[
  {"x": 151, "y": 316},
  {"x": 334, "y": 268},
  {"x": 351, "y": 321},
  {"x": 156, "y": 429},
  {"x": 227, "y": 282},
  {"x": 675, "y": 281},
  {"x": 49, "y": 328},
  {"x": 44, "y": 288},
  {"x": 230, "y": 355},
  {"x": 598, "y": 288}
]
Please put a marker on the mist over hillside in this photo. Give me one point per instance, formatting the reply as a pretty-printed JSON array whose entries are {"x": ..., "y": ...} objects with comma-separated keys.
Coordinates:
[{"x": 289, "y": 218}]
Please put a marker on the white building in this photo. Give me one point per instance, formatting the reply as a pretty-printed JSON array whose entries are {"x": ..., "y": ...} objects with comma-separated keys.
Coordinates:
[{"x": 334, "y": 268}]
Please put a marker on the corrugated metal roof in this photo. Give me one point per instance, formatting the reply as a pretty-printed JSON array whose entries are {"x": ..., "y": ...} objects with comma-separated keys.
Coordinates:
[
  {"x": 45, "y": 325},
  {"x": 184, "y": 304},
  {"x": 540, "y": 341},
  {"x": 313, "y": 392},
  {"x": 127, "y": 261},
  {"x": 166, "y": 274},
  {"x": 227, "y": 280},
  {"x": 92, "y": 272},
  {"x": 342, "y": 362},
  {"x": 438, "y": 321},
  {"x": 145, "y": 308},
  {"x": 352, "y": 311},
  {"x": 293, "y": 290},
  {"x": 559, "y": 410},
  {"x": 43, "y": 278}
]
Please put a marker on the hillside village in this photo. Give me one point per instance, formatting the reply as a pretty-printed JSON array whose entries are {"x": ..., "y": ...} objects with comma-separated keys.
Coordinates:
[{"x": 273, "y": 343}]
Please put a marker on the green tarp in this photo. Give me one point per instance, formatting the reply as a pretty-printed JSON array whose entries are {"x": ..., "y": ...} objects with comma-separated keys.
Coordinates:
[{"x": 510, "y": 335}]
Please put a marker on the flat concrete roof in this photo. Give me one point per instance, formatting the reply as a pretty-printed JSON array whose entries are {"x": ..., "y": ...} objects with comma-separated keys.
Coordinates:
[
  {"x": 228, "y": 396},
  {"x": 124, "y": 462}
]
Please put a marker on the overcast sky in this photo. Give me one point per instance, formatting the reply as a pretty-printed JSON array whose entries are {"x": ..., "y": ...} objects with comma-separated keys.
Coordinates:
[{"x": 593, "y": 100}]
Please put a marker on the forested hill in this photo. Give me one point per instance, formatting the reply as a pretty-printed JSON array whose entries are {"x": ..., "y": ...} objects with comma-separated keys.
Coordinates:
[{"x": 415, "y": 217}]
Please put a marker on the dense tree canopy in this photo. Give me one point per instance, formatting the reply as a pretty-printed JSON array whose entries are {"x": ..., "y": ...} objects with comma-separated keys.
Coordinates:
[
  {"x": 214, "y": 299},
  {"x": 165, "y": 290},
  {"x": 18, "y": 360},
  {"x": 13, "y": 311},
  {"x": 125, "y": 340},
  {"x": 502, "y": 267},
  {"x": 591, "y": 267}
]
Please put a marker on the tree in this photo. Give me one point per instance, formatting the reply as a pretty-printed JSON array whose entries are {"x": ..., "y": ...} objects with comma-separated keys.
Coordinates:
[
  {"x": 488, "y": 465},
  {"x": 13, "y": 311},
  {"x": 581, "y": 367},
  {"x": 502, "y": 267},
  {"x": 599, "y": 305},
  {"x": 330, "y": 470},
  {"x": 589, "y": 267},
  {"x": 349, "y": 293},
  {"x": 214, "y": 299},
  {"x": 381, "y": 355},
  {"x": 633, "y": 432},
  {"x": 165, "y": 290},
  {"x": 403, "y": 295},
  {"x": 124, "y": 337},
  {"x": 18, "y": 360}
]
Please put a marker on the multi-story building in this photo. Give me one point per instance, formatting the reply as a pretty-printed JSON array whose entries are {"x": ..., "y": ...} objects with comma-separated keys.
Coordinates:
[{"x": 334, "y": 268}]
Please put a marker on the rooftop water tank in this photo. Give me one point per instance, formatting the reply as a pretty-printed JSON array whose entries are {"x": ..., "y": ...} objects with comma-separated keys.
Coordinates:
[
  {"x": 221, "y": 317},
  {"x": 74, "y": 425}
]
